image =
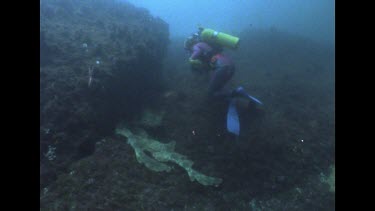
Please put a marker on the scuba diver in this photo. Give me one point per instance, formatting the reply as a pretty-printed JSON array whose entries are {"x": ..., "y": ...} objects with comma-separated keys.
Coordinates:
[{"x": 205, "y": 48}]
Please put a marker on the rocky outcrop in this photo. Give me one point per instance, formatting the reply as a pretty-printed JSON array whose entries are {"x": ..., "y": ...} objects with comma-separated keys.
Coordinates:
[{"x": 100, "y": 61}]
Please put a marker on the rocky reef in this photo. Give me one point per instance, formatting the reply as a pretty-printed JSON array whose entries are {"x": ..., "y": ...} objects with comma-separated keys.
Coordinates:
[
  {"x": 100, "y": 61},
  {"x": 282, "y": 160}
]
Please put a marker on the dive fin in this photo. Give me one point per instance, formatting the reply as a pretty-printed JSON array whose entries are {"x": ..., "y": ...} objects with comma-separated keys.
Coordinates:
[
  {"x": 240, "y": 91},
  {"x": 254, "y": 99},
  {"x": 233, "y": 124}
]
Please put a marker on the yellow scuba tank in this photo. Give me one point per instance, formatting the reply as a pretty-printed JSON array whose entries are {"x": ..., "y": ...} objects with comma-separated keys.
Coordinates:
[{"x": 220, "y": 38}]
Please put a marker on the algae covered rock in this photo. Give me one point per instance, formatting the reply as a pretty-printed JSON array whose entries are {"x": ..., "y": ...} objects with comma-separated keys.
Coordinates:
[
  {"x": 151, "y": 118},
  {"x": 329, "y": 179},
  {"x": 162, "y": 153},
  {"x": 100, "y": 61}
]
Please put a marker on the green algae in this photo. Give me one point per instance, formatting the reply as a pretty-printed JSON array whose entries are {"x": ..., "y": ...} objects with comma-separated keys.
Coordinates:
[{"x": 162, "y": 153}]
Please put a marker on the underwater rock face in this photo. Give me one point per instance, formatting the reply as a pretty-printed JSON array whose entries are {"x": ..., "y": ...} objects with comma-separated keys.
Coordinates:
[
  {"x": 329, "y": 179},
  {"x": 100, "y": 61},
  {"x": 151, "y": 118}
]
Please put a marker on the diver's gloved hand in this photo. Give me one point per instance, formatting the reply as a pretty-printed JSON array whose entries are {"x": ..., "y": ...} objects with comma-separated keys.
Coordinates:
[{"x": 195, "y": 63}]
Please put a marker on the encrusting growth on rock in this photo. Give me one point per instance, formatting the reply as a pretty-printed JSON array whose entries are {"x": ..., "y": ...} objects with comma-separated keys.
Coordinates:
[{"x": 162, "y": 153}]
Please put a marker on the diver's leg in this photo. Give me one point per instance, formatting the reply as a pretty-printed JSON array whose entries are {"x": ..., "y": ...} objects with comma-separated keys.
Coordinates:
[
  {"x": 218, "y": 91},
  {"x": 218, "y": 80}
]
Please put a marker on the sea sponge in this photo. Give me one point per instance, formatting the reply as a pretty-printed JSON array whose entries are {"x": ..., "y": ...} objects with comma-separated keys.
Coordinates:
[{"x": 162, "y": 153}]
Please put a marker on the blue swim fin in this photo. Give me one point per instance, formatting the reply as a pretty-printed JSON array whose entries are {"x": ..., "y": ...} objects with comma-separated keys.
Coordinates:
[
  {"x": 255, "y": 100},
  {"x": 240, "y": 91},
  {"x": 233, "y": 123}
]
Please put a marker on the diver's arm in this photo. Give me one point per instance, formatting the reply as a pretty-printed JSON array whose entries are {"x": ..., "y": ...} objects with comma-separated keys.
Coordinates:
[
  {"x": 197, "y": 51},
  {"x": 193, "y": 60}
]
